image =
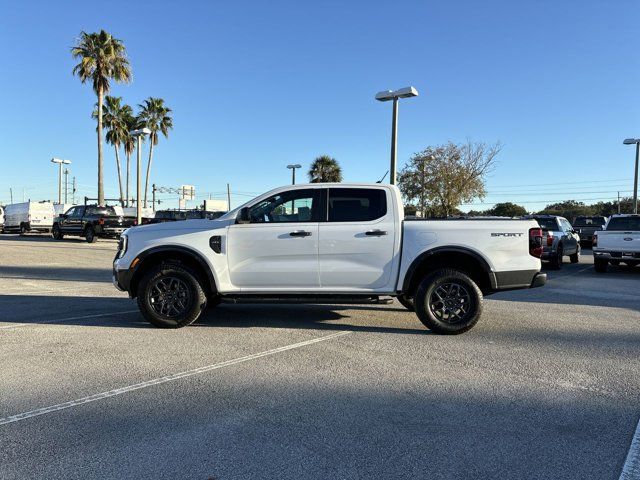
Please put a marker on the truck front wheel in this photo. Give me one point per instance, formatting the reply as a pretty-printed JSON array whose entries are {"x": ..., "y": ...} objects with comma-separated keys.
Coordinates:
[
  {"x": 170, "y": 296},
  {"x": 448, "y": 302},
  {"x": 407, "y": 302}
]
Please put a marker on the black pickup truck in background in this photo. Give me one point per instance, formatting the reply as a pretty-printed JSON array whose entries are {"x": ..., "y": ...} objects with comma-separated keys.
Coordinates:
[
  {"x": 587, "y": 226},
  {"x": 91, "y": 222},
  {"x": 163, "y": 216}
]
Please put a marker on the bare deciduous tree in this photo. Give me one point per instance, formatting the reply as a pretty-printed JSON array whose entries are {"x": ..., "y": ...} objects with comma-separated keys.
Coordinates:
[{"x": 440, "y": 178}]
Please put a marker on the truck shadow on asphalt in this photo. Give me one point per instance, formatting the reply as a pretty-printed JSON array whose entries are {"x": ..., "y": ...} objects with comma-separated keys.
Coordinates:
[
  {"x": 49, "y": 272},
  {"x": 122, "y": 313}
]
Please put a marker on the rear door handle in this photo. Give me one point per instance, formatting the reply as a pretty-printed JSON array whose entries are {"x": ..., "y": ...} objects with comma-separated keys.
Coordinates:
[
  {"x": 375, "y": 233},
  {"x": 300, "y": 233}
]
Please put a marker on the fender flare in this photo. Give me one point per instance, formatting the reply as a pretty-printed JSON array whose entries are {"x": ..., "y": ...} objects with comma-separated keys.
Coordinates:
[
  {"x": 424, "y": 256},
  {"x": 194, "y": 254}
]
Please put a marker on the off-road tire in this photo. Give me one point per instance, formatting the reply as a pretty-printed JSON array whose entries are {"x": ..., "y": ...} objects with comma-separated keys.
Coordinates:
[
  {"x": 90, "y": 235},
  {"x": 407, "y": 302},
  {"x": 427, "y": 303},
  {"x": 557, "y": 261},
  {"x": 195, "y": 300},
  {"x": 600, "y": 265},
  {"x": 56, "y": 233},
  {"x": 575, "y": 258}
]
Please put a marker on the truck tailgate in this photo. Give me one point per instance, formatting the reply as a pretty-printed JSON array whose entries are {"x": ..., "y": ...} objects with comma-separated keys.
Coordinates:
[{"x": 618, "y": 241}]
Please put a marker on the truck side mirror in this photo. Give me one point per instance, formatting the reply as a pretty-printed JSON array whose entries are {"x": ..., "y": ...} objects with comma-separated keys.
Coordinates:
[{"x": 243, "y": 216}]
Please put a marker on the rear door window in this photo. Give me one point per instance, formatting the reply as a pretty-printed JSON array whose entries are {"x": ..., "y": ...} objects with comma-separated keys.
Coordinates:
[
  {"x": 624, "y": 224},
  {"x": 357, "y": 204}
]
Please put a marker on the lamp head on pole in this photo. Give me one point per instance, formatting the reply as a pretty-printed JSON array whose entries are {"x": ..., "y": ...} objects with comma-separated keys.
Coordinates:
[
  {"x": 60, "y": 161},
  {"x": 296, "y": 165},
  {"x": 405, "y": 92},
  {"x": 631, "y": 141},
  {"x": 140, "y": 132}
]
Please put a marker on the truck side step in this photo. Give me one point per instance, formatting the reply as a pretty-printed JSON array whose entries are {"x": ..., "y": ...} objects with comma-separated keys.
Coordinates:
[{"x": 309, "y": 299}]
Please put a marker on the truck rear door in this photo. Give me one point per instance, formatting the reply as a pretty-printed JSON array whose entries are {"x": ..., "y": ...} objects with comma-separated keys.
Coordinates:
[{"x": 357, "y": 241}]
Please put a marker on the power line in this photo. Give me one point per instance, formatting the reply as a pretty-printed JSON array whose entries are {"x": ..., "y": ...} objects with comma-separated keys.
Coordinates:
[{"x": 562, "y": 183}]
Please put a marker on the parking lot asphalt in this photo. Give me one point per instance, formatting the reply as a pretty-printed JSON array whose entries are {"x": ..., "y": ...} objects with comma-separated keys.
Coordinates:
[{"x": 547, "y": 384}]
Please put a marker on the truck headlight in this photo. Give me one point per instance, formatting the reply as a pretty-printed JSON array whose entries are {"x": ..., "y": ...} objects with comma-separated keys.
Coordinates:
[{"x": 123, "y": 243}]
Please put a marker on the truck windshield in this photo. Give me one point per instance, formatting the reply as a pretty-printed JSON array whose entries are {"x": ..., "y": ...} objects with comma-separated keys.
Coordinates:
[
  {"x": 624, "y": 224},
  {"x": 547, "y": 224},
  {"x": 587, "y": 221},
  {"x": 100, "y": 211}
]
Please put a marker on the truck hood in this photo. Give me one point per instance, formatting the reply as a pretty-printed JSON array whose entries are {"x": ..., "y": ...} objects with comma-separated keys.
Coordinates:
[{"x": 171, "y": 228}]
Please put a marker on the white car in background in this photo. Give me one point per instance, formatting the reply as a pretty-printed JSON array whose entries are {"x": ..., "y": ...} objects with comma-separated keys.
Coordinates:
[
  {"x": 327, "y": 243},
  {"x": 28, "y": 217}
]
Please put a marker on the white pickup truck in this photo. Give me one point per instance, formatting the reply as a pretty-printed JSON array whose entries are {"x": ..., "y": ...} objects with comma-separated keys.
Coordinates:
[
  {"x": 327, "y": 243},
  {"x": 618, "y": 242}
]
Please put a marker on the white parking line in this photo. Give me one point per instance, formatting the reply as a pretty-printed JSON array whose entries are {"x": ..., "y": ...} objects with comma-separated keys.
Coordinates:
[
  {"x": 631, "y": 469},
  {"x": 160, "y": 380},
  {"x": 57, "y": 320}
]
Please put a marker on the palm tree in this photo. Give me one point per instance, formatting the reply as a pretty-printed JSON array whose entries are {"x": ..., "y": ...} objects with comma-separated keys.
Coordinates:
[
  {"x": 102, "y": 58},
  {"x": 115, "y": 116},
  {"x": 129, "y": 145},
  {"x": 156, "y": 117},
  {"x": 325, "y": 169}
]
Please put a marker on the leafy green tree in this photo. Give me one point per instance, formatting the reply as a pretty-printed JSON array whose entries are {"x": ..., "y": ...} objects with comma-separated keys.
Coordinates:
[
  {"x": 115, "y": 116},
  {"x": 568, "y": 209},
  {"x": 325, "y": 169},
  {"x": 156, "y": 116},
  {"x": 607, "y": 209},
  {"x": 507, "y": 209},
  {"x": 441, "y": 178},
  {"x": 102, "y": 58}
]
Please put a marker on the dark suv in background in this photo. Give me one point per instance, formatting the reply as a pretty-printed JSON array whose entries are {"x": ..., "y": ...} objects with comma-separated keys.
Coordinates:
[{"x": 586, "y": 226}]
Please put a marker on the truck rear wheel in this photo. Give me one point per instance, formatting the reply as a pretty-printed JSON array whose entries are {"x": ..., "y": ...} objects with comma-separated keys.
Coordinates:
[
  {"x": 448, "y": 302},
  {"x": 170, "y": 296},
  {"x": 600, "y": 265},
  {"x": 90, "y": 235}
]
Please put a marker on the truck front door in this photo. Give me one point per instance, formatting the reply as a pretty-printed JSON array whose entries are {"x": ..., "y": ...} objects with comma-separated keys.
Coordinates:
[{"x": 278, "y": 249}]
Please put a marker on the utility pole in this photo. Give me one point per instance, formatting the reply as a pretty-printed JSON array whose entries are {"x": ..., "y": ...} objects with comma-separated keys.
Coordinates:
[
  {"x": 73, "y": 191},
  {"x": 618, "y": 202},
  {"x": 153, "y": 196},
  {"x": 11, "y": 194},
  {"x": 229, "y": 197}
]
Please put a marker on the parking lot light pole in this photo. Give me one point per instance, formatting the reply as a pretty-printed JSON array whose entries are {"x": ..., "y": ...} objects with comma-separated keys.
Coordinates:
[
  {"x": 139, "y": 136},
  {"x": 293, "y": 172},
  {"x": 395, "y": 95},
  {"x": 60, "y": 162},
  {"x": 636, "y": 141}
]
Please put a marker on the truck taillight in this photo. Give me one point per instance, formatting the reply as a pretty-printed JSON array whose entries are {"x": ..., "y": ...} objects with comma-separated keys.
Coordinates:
[
  {"x": 549, "y": 239},
  {"x": 535, "y": 242},
  {"x": 594, "y": 240},
  {"x": 101, "y": 221}
]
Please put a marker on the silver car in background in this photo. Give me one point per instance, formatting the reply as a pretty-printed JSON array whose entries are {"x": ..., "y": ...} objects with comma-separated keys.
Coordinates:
[{"x": 559, "y": 239}]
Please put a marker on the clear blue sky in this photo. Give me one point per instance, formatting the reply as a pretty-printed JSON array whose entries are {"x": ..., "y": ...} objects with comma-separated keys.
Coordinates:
[{"x": 257, "y": 85}]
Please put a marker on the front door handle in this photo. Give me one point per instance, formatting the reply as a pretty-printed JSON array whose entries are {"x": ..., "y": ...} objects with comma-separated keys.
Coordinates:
[
  {"x": 300, "y": 233},
  {"x": 375, "y": 233}
]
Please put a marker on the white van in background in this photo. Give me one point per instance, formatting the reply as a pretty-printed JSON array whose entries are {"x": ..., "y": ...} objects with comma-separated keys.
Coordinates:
[
  {"x": 60, "y": 208},
  {"x": 1, "y": 217},
  {"x": 28, "y": 217}
]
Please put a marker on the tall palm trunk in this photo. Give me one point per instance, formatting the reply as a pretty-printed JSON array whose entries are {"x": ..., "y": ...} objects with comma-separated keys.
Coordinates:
[
  {"x": 100, "y": 174},
  {"x": 119, "y": 174},
  {"x": 146, "y": 183},
  {"x": 128, "y": 174}
]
